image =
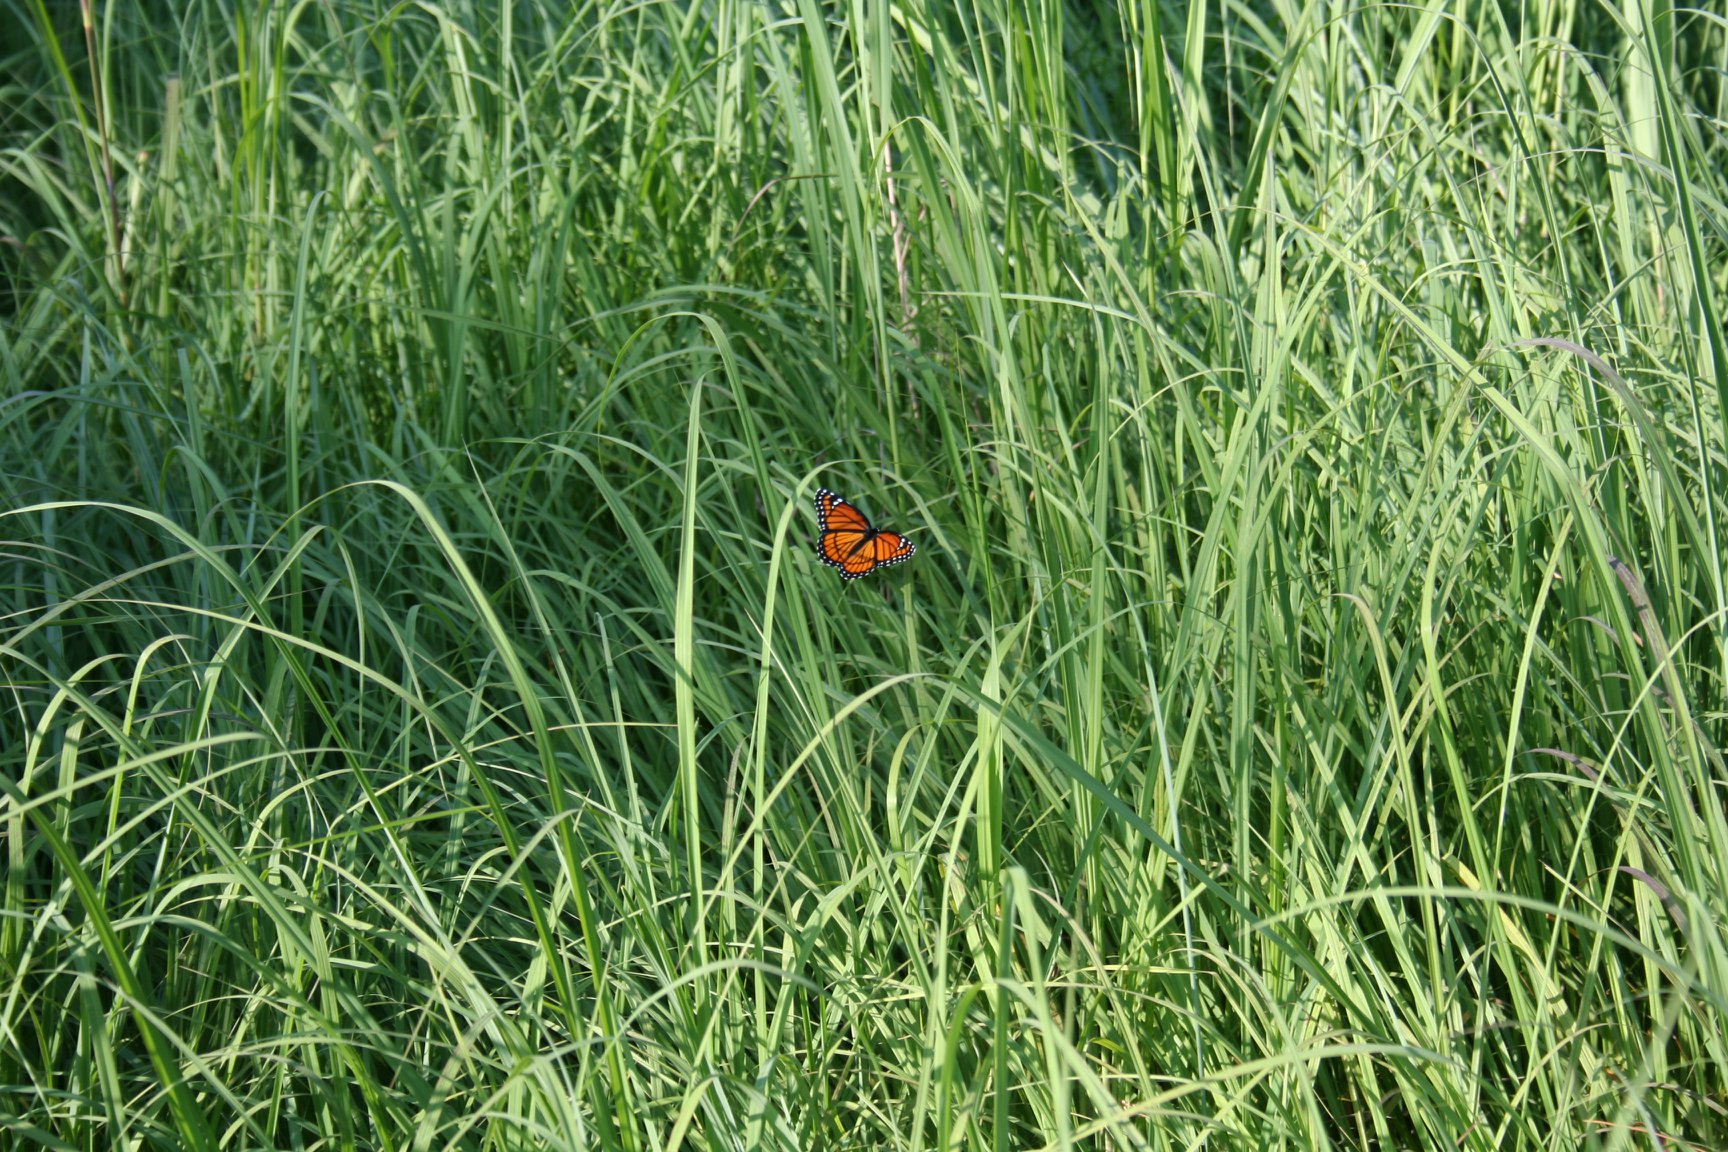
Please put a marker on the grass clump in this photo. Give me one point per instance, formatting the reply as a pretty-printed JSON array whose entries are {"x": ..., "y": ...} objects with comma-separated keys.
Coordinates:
[{"x": 429, "y": 724}]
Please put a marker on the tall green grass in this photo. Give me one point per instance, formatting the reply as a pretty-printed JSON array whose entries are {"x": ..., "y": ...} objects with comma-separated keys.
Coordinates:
[{"x": 428, "y": 724}]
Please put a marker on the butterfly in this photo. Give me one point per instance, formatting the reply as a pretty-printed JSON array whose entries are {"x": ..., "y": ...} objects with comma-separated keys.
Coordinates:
[{"x": 850, "y": 543}]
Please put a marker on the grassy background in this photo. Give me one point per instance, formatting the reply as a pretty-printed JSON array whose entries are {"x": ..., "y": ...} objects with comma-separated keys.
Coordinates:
[{"x": 427, "y": 724}]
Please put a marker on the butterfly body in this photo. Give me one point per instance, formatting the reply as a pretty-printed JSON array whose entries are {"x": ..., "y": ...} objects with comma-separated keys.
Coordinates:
[{"x": 849, "y": 542}]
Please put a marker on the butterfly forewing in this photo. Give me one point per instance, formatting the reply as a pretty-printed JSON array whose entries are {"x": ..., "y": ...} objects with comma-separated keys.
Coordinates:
[{"x": 833, "y": 513}]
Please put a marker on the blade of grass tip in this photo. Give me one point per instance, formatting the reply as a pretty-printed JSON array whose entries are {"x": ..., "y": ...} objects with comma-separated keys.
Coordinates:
[
  {"x": 988, "y": 765},
  {"x": 1521, "y": 681},
  {"x": 683, "y": 657},
  {"x": 165, "y": 200},
  {"x": 1098, "y": 580},
  {"x": 684, "y": 639},
  {"x": 291, "y": 392},
  {"x": 758, "y": 944},
  {"x": 1004, "y": 1010},
  {"x": 99, "y": 104}
]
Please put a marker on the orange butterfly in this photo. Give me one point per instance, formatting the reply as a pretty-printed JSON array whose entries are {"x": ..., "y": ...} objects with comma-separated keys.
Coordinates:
[{"x": 850, "y": 543}]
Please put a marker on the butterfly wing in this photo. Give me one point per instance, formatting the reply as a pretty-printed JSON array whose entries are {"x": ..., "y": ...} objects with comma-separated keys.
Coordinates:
[
  {"x": 890, "y": 547},
  {"x": 835, "y": 514}
]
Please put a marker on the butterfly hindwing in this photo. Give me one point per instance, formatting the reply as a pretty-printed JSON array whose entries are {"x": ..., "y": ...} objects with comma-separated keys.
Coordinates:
[{"x": 892, "y": 548}]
